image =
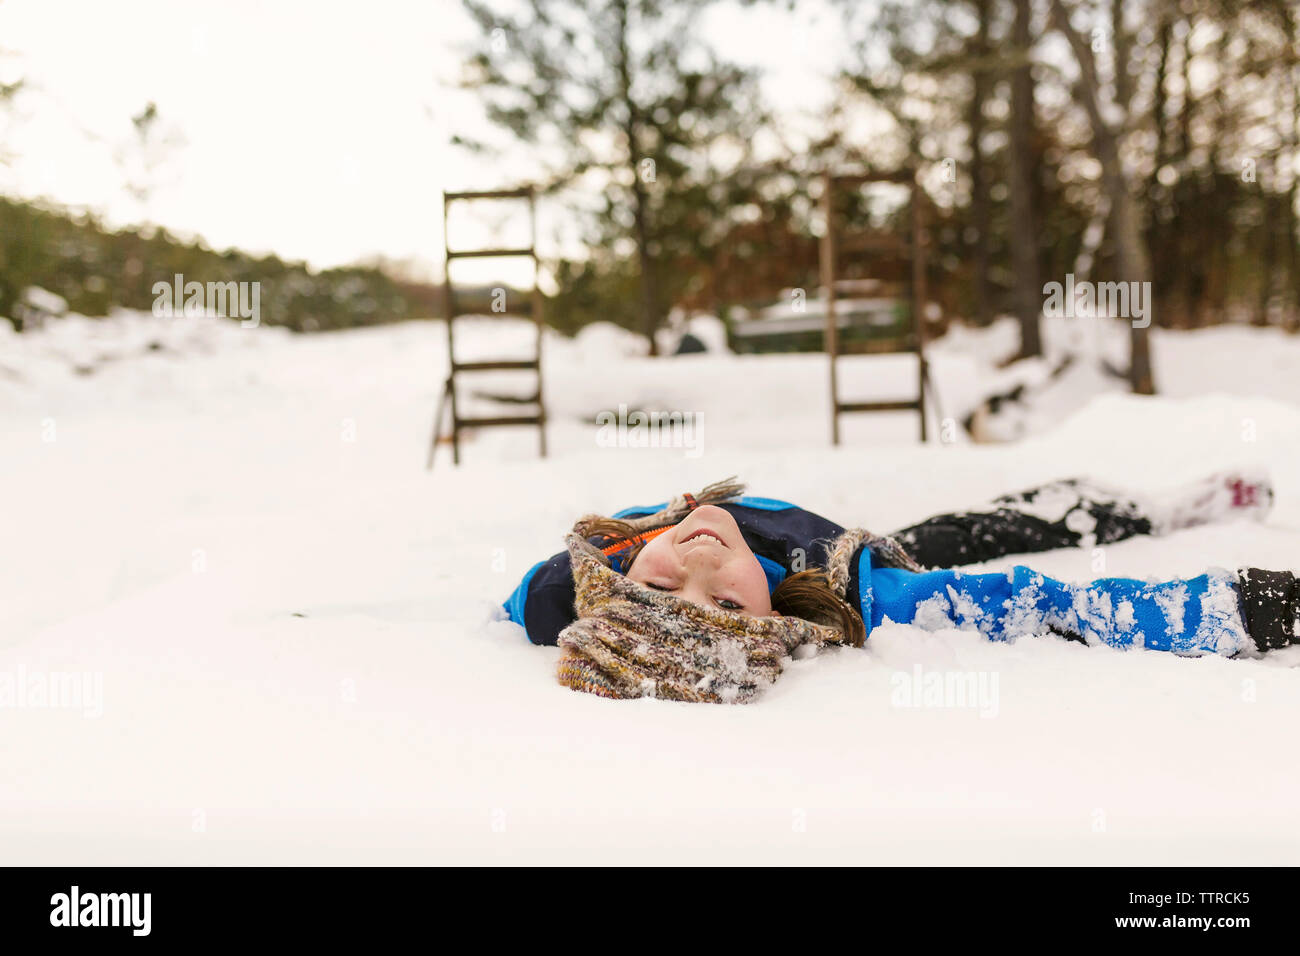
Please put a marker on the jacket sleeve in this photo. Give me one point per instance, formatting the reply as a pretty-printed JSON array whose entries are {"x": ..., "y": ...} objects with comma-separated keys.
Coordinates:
[
  {"x": 1195, "y": 616},
  {"x": 543, "y": 601}
]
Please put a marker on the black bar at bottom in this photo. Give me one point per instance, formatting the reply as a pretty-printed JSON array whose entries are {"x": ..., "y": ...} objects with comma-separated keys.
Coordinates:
[{"x": 1229, "y": 906}]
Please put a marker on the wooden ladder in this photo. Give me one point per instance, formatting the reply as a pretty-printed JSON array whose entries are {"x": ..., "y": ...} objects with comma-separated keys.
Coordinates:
[
  {"x": 461, "y": 422},
  {"x": 915, "y": 341}
]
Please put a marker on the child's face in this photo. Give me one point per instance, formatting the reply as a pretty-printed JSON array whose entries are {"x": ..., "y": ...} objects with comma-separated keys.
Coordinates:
[{"x": 706, "y": 561}]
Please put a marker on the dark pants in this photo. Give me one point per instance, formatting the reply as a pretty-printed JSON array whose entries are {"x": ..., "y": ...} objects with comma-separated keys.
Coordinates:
[
  {"x": 1079, "y": 513},
  {"x": 1063, "y": 514}
]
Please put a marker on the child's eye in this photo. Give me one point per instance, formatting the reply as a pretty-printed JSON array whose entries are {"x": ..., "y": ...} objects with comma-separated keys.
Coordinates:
[
  {"x": 727, "y": 605},
  {"x": 657, "y": 587}
]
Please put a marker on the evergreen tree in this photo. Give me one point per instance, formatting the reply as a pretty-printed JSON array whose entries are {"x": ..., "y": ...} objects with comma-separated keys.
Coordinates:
[{"x": 624, "y": 96}]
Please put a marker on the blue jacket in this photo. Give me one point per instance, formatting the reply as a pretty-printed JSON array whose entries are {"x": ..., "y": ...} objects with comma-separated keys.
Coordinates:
[{"x": 1194, "y": 616}]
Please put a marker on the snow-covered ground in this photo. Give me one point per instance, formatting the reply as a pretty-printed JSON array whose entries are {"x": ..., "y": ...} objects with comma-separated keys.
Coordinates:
[{"x": 283, "y": 619}]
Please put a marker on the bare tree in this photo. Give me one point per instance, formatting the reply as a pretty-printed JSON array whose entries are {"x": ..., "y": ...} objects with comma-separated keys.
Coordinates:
[
  {"x": 981, "y": 214},
  {"x": 1027, "y": 293},
  {"x": 1133, "y": 261},
  {"x": 627, "y": 90}
]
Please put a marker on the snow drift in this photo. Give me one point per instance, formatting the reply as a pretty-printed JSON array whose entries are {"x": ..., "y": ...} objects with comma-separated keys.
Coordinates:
[{"x": 293, "y": 630}]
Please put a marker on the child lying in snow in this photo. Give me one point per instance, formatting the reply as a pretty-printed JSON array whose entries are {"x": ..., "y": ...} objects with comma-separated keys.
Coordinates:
[{"x": 700, "y": 598}]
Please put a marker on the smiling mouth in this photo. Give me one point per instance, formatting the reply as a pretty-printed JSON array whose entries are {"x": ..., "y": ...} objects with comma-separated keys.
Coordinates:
[{"x": 713, "y": 536}]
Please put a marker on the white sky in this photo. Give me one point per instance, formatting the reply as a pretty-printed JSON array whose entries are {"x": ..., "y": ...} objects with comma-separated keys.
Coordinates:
[{"x": 318, "y": 131}]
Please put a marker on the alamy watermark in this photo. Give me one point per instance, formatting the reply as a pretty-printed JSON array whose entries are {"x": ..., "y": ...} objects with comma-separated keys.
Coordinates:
[
  {"x": 639, "y": 429},
  {"x": 53, "y": 690},
  {"x": 77, "y": 908},
  {"x": 976, "y": 690},
  {"x": 193, "y": 299},
  {"x": 1120, "y": 300}
]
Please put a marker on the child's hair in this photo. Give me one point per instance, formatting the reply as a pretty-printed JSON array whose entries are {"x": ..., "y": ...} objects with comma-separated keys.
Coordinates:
[{"x": 805, "y": 594}]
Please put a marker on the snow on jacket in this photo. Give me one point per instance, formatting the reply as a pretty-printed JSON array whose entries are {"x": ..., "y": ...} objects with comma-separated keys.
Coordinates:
[{"x": 1193, "y": 616}]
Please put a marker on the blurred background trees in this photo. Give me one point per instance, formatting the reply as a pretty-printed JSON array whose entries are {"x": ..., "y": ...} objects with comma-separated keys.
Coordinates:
[
  {"x": 96, "y": 269},
  {"x": 1110, "y": 139},
  {"x": 1115, "y": 140},
  {"x": 640, "y": 122}
]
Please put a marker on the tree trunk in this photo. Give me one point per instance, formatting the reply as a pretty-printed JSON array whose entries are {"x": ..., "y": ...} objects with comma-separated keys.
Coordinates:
[
  {"x": 980, "y": 213},
  {"x": 1289, "y": 205},
  {"x": 1123, "y": 45},
  {"x": 1293, "y": 254},
  {"x": 1133, "y": 264},
  {"x": 649, "y": 307},
  {"x": 1158, "y": 194},
  {"x": 1268, "y": 250},
  {"x": 1024, "y": 215},
  {"x": 1186, "y": 193},
  {"x": 641, "y": 199},
  {"x": 1222, "y": 225}
]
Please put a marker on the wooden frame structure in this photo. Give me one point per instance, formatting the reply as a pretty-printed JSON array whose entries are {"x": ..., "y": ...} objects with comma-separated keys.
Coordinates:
[
  {"x": 917, "y": 296},
  {"x": 461, "y": 422}
]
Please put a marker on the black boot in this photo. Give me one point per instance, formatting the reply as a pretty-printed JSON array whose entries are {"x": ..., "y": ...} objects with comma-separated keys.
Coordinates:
[{"x": 1270, "y": 607}]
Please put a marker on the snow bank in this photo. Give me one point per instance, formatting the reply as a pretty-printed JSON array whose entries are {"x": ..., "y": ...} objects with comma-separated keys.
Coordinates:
[{"x": 291, "y": 629}]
